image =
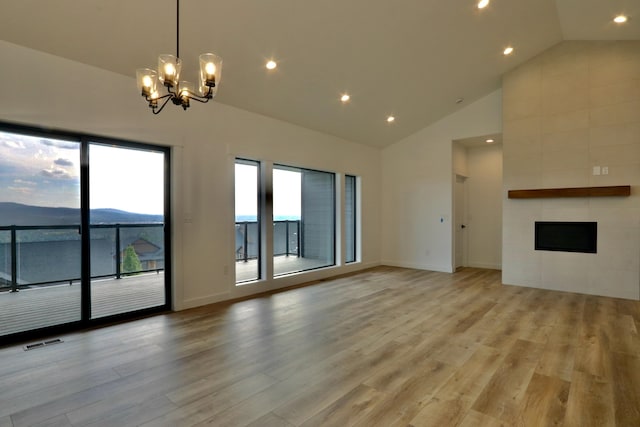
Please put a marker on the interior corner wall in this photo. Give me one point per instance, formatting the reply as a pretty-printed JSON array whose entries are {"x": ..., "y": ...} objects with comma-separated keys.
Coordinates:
[
  {"x": 43, "y": 90},
  {"x": 417, "y": 187},
  {"x": 460, "y": 159},
  {"x": 572, "y": 108}
]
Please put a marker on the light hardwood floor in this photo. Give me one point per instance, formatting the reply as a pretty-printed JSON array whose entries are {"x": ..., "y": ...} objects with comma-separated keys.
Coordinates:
[{"x": 385, "y": 347}]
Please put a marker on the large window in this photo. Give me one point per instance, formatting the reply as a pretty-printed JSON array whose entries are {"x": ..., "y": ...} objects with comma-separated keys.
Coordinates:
[
  {"x": 288, "y": 223},
  {"x": 247, "y": 226},
  {"x": 350, "y": 220},
  {"x": 83, "y": 230},
  {"x": 303, "y": 219}
]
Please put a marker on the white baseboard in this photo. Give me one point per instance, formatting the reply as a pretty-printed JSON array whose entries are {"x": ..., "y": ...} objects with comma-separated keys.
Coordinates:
[
  {"x": 275, "y": 284},
  {"x": 205, "y": 300},
  {"x": 430, "y": 267},
  {"x": 484, "y": 265}
]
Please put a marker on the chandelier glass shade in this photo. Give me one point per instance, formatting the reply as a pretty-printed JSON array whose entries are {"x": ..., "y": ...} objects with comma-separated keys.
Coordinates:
[{"x": 179, "y": 92}]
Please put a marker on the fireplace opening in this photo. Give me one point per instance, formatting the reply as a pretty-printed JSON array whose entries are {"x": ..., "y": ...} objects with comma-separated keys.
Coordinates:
[{"x": 566, "y": 236}]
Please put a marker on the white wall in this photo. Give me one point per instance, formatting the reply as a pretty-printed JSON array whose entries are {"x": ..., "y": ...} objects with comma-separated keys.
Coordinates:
[
  {"x": 484, "y": 206},
  {"x": 574, "y": 107},
  {"x": 417, "y": 186},
  {"x": 47, "y": 91},
  {"x": 460, "y": 159}
]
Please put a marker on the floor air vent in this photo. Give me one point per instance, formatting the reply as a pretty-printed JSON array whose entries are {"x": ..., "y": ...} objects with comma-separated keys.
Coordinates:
[{"x": 42, "y": 344}]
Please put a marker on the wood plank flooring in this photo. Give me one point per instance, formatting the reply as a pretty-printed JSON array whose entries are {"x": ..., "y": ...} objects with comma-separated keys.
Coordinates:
[{"x": 384, "y": 347}]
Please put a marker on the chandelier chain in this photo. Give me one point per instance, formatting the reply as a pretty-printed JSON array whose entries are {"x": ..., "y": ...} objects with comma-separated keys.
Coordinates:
[{"x": 177, "y": 28}]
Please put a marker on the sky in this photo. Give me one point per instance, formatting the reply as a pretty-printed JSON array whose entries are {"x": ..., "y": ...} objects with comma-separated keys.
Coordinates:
[
  {"x": 286, "y": 192},
  {"x": 46, "y": 172},
  {"x": 126, "y": 179}
]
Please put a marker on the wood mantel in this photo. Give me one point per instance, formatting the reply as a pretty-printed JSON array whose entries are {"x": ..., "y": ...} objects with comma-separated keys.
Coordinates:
[{"x": 612, "y": 191}]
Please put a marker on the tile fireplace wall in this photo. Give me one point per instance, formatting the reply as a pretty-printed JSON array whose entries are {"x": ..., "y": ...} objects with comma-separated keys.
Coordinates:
[{"x": 570, "y": 109}]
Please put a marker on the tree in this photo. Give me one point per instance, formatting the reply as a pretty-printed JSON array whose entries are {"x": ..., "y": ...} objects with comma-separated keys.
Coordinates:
[{"x": 131, "y": 262}]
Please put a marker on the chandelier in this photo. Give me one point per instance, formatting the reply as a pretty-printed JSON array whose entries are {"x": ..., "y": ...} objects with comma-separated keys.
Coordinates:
[{"x": 168, "y": 75}]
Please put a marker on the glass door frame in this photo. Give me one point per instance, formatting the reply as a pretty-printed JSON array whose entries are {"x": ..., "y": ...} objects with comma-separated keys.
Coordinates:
[{"x": 85, "y": 259}]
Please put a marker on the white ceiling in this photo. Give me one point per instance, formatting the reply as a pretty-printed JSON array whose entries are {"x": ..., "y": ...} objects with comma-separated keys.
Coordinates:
[
  {"x": 409, "y": 58},
  {"x": 480, "y": 141}
]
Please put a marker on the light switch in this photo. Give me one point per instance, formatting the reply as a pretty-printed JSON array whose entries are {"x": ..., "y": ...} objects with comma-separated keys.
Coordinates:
[
  {"x": 596, "y": 170},
  {"x": 605, "y": 170}
]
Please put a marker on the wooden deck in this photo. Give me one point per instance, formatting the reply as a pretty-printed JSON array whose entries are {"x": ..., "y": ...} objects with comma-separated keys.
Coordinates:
[
  {"x": 281, "y": 265},
  {"x": 384, "y": 347},
  {"x": 44, "y": 306}
]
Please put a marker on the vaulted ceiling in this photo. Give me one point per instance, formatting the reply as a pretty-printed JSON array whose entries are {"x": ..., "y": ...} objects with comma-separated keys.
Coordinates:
[{"x": 408, "y": 58}]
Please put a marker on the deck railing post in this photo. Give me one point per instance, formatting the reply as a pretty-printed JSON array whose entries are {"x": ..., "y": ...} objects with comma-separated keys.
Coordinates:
[
  {"x": 286, "y": 238},
  {"x": 298, "y": 238},
  {"x": 118, "y": 267},
  {"x": 14, "y": 260},
  {"x": 245, "y": 243}
]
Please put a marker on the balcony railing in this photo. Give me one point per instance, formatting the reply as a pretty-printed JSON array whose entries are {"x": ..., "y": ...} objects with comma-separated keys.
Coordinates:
[
  {"x": 45, "y": 255},
  {"x": 286, "y": 239},
  {"x": 40, "y": 255}
]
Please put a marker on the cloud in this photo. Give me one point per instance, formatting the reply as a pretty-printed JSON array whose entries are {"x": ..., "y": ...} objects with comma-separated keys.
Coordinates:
[
  {"x": 23, "y": 182},
  {"x": 21, "y": 190},
  {"x": 63, "y": 162},
  {"x": 56, "y": 173},
  {"x": 60, "y": 144},
  {"x": 12, "y": 144}
]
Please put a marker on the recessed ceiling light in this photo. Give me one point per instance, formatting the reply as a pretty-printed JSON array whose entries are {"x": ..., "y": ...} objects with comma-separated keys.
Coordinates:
[
  {"x": 271, "y": 65},
  {"x": 489, "y": 141},
  {"x": 508, "y": 51},
  {"x": 620, "y": 19},
  {"x": 483, "y": 3},
  {"x": 391, "y": 119},
  {"x": 345, "y": 97},
  {"x": 459, "y": 100}
]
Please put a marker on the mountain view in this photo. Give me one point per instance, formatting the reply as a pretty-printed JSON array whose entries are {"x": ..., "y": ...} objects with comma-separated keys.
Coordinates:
[{"x": 19, "y": 214}]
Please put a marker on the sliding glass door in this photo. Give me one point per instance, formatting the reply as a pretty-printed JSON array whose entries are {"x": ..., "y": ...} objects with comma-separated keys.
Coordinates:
[
  {"x": 127, "y": 229},
  {"x": 40, "y": 244},
  {"x": 53, "y": 188}
]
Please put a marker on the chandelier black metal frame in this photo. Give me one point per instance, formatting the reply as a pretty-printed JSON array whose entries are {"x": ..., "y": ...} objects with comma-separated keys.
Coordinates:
[{"x": 168, "y": 75}]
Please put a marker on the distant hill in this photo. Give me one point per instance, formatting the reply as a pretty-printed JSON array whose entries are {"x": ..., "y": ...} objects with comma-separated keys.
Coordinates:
[{"x": 19, "y": 214}]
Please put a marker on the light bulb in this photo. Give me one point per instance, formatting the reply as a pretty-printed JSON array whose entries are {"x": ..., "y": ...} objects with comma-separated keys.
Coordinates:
[
  {"x": 345, "y": 98},
  {"x": 482, "y": 4},
  {"x": 391, "y": 119},
  {"x": 169, "y": 69},
  {"x": 210, "y": 68},
  {"x": 271, "y": 65},
  {"x": 508, "y": 51},
  {"x": 620, "y": 19},
  {"x": 146, "y": 81}
]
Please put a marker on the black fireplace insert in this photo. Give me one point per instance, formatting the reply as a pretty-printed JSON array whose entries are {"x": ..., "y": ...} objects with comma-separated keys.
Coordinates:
[{"x": 566, "y": 236}]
